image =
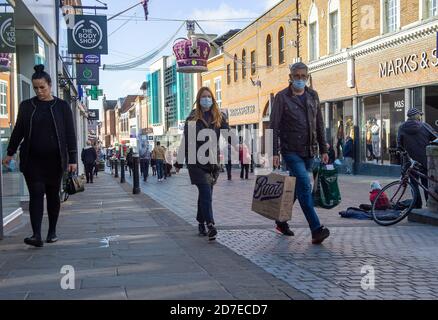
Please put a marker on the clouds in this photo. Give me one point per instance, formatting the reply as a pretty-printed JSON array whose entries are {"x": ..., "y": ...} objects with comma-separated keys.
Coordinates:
[{"x": 236, "y": 18}]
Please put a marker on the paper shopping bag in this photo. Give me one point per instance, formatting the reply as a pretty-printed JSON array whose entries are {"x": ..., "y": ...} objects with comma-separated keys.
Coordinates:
[{"x": 273, "y": 196}]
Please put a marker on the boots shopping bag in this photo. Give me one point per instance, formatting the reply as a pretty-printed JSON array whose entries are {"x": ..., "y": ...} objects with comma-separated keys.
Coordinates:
[{"x": 273, "y": 196}]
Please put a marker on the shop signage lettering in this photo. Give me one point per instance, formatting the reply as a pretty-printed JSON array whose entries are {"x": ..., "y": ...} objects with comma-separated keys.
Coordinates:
[
  {"x": 87, "y": 74},
  {"x": 88, "y": 34},
  {"x": 242, "y": 111},
  {"x": 408, "y": 64},
  {"x": 7, "y": 33},
  {"x": 399, "y": 106},
  {"x": 92, "y": 59}
]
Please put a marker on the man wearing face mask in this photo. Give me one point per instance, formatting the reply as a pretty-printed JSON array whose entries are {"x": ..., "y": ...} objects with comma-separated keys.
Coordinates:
[{"x": 296, "y": 121}]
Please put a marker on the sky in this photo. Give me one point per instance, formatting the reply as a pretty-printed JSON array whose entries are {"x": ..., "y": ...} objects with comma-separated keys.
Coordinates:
[{"x": 131, "y": 36}]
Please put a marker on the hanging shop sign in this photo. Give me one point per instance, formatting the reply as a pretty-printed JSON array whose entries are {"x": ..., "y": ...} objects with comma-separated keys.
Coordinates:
[
  {"x": 92, "y": 59},
  {"x": 87, "y": 74},
  {"x": 5, "y": 60},
  {"x": 93, "y": 114},
  {"x": 408, "y": 64},
  {"x": 88, "y": 34},
  {"x": 7, "y": 33}
]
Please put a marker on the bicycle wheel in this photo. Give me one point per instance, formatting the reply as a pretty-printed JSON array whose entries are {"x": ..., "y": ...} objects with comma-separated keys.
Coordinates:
[{"x": 402, "y": 197}]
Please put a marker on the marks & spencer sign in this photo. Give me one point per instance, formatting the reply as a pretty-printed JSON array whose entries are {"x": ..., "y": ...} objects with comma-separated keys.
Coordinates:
[
  {"x": 411, "y": 63},
  {"x": 88, "y": 34}
]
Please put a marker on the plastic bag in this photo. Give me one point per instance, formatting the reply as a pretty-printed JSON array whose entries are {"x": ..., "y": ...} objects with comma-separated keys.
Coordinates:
[{"x": 326, "y": 192}]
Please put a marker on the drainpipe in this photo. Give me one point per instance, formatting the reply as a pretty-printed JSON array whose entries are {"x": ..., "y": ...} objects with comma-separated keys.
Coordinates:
[{"x": 297, "y": 8}]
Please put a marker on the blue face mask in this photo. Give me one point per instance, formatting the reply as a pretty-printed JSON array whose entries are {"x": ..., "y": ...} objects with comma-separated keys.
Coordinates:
[
  {"x": 206, "y": 103},
  {"x": 299, "y": 84}
]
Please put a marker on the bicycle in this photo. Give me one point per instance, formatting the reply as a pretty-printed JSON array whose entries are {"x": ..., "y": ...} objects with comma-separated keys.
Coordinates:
[{"x": 402, "y": 202}]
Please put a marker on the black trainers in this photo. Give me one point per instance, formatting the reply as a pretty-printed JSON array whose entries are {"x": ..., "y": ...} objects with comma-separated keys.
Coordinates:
[
  {"x": 33, "y": 241},
  {"x": 212, "y": 232},
  {"x": 202, "y": 230},
  {"x": 51, "y": 238},
  {"x": 320, "y": 235},
  {"x": 285, "y": 230}
]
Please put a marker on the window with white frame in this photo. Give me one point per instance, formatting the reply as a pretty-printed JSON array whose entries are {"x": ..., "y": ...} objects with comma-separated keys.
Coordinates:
[
  {"x": 313, "y": 33},
  {"x": 334, "y": 26},
  {"x": 430, "y": 8},
  {"x": 391, "y": 15},
  {"x": 218, "y": 91},
  {"x": 3, "y": 98}
]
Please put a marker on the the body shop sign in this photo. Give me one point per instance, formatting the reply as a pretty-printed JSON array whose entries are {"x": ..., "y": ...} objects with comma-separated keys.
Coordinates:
[
  {"x": 7, "y": 33},
  {"x": 88, "y": 35}
]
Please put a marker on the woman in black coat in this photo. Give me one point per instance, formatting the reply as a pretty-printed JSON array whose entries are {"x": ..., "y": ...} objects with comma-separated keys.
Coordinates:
[
  {"x": 204, "y": 174},
  {"x": 45, "y": 133}
]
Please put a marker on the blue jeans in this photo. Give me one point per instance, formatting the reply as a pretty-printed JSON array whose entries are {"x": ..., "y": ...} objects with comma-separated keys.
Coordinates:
[
  {"x": 159, "y": 168},
  {"x": 205, "y": 204},
  {"x": 299, "y": 167}
]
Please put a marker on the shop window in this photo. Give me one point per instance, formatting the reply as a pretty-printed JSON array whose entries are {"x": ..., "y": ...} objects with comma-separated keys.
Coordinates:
[
  {"x": 382, "y": 115},
  {"x": 390, "y": 15},
  {"x": 269, "y": 50},
  {"x": 281, "y": 56},
  {"x": 243, "y": 64},
  {"x": 253, "y": 62},
  {"x": 431, "y": 106},
  {"x": 341, "y": 124}
]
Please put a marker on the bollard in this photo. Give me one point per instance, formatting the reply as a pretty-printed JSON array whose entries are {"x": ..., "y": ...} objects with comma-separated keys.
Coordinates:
[
  {"x": 116, "y": 168},
  {"x": 136, "y": 175},
  {"x": 122, "y": 170}
]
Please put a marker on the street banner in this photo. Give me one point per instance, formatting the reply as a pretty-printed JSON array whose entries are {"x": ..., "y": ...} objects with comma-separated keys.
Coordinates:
[
  {"x": 273, "y": 196},
  {"x": 88, "y": 34},
  {"x": 7, "y": 33},
  {"x": 87, "y": 74}
]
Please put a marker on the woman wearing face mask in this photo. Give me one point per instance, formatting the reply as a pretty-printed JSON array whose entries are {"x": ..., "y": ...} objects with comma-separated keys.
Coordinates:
[
  {"x": 206, "y": 115},
  {"x": 45, "y": 133}
]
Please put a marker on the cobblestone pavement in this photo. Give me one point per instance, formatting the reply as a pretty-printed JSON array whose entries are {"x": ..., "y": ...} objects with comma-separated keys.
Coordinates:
[{"x": 404, "y": 257}]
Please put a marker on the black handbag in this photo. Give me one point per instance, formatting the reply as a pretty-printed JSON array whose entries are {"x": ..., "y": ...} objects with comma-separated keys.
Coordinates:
[{"x": 74, "y": 184}]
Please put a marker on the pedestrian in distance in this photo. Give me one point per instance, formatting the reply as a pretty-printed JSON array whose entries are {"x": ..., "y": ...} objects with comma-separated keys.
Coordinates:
[
  {"x": 130, "y": 161},
  {"x": 158, "y": 154},
  {"x": 89, "y": 157},
  {"x": 349, "y": 154},
  {"x": 245, "y": 160},
  {"x": 206, "y": 115},
  {"x": 145, "y": 161},
  {"x": 296, "y": 121},
  {"x": 45, "y": 133},
  {"x": 414, "y": 136}
]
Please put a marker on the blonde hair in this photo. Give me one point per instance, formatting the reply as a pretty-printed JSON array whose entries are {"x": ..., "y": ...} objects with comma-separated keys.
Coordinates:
[{"x": 198, "y": 113}]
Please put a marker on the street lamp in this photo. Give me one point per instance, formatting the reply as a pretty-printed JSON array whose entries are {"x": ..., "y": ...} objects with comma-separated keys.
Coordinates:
[{"x": 167, "y": 110}]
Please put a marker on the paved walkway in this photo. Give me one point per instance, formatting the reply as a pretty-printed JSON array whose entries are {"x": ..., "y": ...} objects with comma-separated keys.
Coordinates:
[
  {"x": 129, "y": 247},
  {"x": 404, "y": 257}
]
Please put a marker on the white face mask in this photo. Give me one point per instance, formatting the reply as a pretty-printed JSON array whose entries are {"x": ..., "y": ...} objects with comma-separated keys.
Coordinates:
[{"x": 206, "y": 103}]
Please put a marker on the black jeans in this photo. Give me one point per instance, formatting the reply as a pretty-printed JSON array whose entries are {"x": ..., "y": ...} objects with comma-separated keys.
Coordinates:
[
  {"x": 228, "y": 166},
  {"x": 205, "y": 204},
  {"x": 37, "y": 189},
  {"x": 89, "y": 168},
  {"x": 244, "y": 167},
  {"x": 144, "y": 166}
]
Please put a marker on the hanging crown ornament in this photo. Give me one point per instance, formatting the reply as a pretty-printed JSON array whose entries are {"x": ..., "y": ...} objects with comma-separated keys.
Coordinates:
[{"x": 191, "y": 53}]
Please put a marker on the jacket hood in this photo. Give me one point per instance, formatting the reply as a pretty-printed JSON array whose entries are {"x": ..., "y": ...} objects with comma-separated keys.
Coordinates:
[
  {"x": 412, "y": 127},
  {"x": 88, "y": 147}
]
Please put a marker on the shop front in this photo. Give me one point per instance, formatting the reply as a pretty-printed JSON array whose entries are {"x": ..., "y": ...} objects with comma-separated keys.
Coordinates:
[{"x": 367, "y": 90}]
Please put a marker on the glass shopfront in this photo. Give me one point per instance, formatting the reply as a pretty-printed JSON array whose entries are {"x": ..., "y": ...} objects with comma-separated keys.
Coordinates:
[
  {"x": 431, "y": 106},
  {"x": 381, "y": 115},
  {"x": 340, "y": 124}
]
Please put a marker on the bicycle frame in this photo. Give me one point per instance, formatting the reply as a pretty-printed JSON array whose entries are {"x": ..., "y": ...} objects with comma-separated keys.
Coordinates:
[{"x": 412, "y": 173}]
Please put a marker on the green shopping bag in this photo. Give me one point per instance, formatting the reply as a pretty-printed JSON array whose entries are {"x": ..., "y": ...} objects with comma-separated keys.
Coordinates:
[{"x": 326, "y": 192}]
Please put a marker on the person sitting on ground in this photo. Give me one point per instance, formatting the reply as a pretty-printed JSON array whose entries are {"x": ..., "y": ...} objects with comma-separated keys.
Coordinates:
[{"x": 383, "y": 201}]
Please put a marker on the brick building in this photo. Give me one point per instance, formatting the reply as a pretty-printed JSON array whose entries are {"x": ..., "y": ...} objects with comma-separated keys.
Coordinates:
[{"x": 370, "y": 61}]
